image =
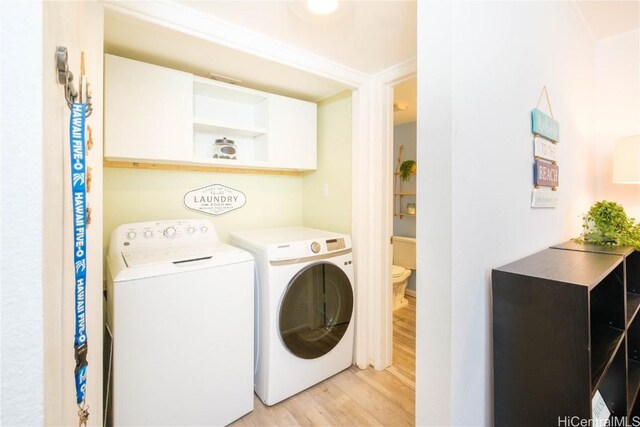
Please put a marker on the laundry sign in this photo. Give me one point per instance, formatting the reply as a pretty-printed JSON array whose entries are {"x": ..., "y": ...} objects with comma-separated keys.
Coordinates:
[{"x": 215, "y": 199}]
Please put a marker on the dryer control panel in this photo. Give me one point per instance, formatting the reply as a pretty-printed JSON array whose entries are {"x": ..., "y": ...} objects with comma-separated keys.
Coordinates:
[{"x": 309, "y": 248}]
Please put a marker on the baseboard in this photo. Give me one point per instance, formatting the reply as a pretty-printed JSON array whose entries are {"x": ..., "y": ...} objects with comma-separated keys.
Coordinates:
[{"x": 410, "y": 292}]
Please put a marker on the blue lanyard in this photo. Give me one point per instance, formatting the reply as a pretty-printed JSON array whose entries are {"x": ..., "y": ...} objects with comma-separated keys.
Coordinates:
[{"x": 79, "y": 204}]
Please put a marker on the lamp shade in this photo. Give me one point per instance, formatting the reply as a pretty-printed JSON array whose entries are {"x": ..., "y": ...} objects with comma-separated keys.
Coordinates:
[{"x": 626, "y": 160}]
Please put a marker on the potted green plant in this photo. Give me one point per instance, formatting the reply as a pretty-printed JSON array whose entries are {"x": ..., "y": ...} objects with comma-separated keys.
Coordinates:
[
  {"x": 606, "y": 223},
  {"x": 407, "y": 168}
]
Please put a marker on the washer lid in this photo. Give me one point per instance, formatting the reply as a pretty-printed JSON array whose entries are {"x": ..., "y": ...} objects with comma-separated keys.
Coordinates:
[
  {"x": 154, "y": 262},
  {"x": 139, "y": 258}
]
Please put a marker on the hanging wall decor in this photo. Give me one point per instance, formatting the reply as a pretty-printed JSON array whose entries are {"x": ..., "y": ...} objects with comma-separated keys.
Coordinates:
[
  {"x": 214, "y": 199},
  {"x": 546, "y": 172}
]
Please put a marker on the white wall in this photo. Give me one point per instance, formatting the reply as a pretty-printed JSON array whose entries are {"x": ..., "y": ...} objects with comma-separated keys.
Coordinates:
[
  {"x": 78, "y": 27},
  {"x": 21, "y": 215},
  {"x": 332, "y": 210},
  {"x": 617, "y": 112},
  {"x": 486, "y": 63}
]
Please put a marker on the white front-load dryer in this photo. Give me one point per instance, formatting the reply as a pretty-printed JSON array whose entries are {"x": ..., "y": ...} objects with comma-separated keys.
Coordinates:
[
  {"x": 179, "y": 305},
  {"x": 304, "y": 307}
]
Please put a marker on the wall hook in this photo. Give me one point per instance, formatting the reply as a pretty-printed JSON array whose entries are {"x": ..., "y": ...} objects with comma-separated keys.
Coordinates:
[{"x": 65, "y": 78}]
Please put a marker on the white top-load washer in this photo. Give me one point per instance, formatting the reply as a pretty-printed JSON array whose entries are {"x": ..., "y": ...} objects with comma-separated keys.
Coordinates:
[
  {"x": 180, "y": 308},
  {"x": 304, "y": 307}
]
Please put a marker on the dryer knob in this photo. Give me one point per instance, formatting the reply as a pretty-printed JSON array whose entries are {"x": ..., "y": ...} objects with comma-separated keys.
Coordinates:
[
  {"x": 131, "y": 235},
  {"x": 203, "y": 229},
  {"x": 315, "y": 247},
  {"x": 148, "y": 234},
  {"x": 190, "y": 230}
]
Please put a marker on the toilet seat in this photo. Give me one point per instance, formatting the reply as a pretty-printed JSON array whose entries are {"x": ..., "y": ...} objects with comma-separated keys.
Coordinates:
[
  {"x": 399, "y": 273},
  {"x": 398, "y": 270}
]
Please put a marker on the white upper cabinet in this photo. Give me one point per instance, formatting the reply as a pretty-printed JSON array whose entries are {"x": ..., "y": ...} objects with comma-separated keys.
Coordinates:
[
  {"x": 292, "y": 133},
  {"x": 157, "y": 114},
  {"x": 148, "y": 111}
]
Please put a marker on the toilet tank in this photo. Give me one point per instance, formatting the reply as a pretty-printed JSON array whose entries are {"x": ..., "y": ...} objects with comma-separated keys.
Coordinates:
[{"x": 404, "y": 251}]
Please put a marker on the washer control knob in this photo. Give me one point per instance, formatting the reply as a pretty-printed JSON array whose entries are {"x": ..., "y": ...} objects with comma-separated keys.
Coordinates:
[
  {"x": 131, "y": 235},
  {"x": 315, "y": 247},
  {"x": 191, "y": 230},
  {"x": 169, "y": 232},
  {"x": 203, "y": 229},
  {"x": 148, "y": 234}
]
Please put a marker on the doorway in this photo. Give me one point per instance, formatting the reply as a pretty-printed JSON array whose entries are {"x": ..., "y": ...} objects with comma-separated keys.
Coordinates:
[{"x": 404, "y": 230}]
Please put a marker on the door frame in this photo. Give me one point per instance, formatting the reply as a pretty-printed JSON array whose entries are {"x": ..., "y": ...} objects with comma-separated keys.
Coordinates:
[{"x": 372, "y": 213}]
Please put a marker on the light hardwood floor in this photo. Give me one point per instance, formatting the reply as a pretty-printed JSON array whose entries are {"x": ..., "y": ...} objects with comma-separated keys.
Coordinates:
[{"x": 354, "y": 397}]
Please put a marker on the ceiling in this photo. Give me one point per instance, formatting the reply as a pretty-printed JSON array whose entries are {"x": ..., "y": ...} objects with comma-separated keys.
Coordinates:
[
  {"x": 143, "y": 41},
  {"x": 608, "y": 18},
  {"x": 368, "y": 36},
  {"x": 405, "y": 94},
  {"x": 365, "y": 35}
]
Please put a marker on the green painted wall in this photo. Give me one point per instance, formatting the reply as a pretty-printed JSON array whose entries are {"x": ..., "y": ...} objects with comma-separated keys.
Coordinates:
[
  {"x": 133, "y": 195},
  {"x": 333, "y": 211}
]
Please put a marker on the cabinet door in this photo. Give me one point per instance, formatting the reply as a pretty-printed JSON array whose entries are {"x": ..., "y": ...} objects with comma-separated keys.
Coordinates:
[
  {"x": 148, "y": 111},
  {"x": 292, "y": 133}
]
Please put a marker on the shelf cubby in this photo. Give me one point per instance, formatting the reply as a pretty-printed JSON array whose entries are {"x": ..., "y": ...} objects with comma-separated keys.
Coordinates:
[
  {"x": 605, "y": 342},
  {"x": 613, "y": 386},
  {"x": 239, "y": 114}
]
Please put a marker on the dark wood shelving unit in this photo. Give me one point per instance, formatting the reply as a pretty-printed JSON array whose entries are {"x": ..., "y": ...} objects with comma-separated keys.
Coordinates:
[
  {"x": 565, "y": 325},
  {"x": 631, "y": 280}
]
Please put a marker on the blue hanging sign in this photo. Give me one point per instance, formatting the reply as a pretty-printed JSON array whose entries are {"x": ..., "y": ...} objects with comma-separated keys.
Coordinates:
[
  {"x": 544, "y": 126},
  {"x": 545, "y": 174}
]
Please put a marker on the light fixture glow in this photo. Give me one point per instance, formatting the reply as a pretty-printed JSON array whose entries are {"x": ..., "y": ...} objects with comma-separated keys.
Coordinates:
[
  {"x": 322, "y": 7},
  {"x": 626, "y": 161}
]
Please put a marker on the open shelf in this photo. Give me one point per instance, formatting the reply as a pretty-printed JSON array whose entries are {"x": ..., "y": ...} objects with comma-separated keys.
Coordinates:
[
  {"x": 230, "y": 163},
  {"x": 633, "y": 303},
  {"x": 400, "y": 206},
  {"x": 634, "y": 380},
  {"x": 613, "y": 386},
  {"x": 605, "y": 341},
  {"x": 212, "y": 126}
]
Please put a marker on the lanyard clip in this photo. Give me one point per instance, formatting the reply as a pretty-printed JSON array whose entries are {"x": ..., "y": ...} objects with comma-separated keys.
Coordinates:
[{"x": 83, "y": 414}]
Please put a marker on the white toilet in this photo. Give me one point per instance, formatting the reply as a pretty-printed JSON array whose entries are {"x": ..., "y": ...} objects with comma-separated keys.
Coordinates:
[{"x": 404, "y": 260}]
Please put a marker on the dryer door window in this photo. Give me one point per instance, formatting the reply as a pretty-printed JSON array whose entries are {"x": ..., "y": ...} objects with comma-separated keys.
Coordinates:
[{"x": 316, "y": 310}]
